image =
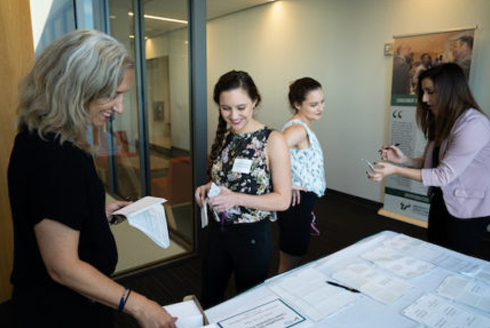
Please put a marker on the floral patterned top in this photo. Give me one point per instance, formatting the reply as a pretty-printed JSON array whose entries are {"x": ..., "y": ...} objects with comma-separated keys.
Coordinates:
[
  {"x": 307, "y": 164},
  {"x": 249, "y": 175}
]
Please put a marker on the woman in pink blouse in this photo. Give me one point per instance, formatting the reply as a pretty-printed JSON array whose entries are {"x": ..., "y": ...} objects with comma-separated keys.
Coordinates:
[{"x": 456, "y": 161}]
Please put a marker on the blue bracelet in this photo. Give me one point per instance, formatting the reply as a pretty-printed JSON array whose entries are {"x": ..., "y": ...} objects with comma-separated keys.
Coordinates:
[
  {"x": 122, "y": 300},
  {"x": 127, "y": 296}
]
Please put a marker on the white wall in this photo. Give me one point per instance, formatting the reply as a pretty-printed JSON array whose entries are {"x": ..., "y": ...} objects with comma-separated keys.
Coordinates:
[
  {"x": 175, "y": 46},
  {"x": 340, "y": 43},
  {"x": 39, "y": 15}
]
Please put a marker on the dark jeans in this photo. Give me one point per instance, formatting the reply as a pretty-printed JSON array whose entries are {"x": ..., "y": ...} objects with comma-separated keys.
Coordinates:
[
  {"x": 462, "y": 235},
  {"x": 294, "y": 225},
  {"x": 244, "y": 248}
]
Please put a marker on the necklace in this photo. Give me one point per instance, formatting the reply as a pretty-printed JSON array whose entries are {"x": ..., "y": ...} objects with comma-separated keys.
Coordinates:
[{"x": 236, "y": 144}]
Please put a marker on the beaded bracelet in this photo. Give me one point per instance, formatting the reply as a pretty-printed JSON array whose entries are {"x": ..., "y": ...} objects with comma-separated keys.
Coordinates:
[{"x": 123, "y": 299}]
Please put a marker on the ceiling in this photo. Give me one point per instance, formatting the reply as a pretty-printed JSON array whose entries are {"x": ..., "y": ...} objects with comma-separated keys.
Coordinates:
[{"x": 177, "y": 9}]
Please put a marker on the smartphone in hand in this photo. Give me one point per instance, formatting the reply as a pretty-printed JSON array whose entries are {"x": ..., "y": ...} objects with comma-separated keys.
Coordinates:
[{"x": 371, "y": 166}]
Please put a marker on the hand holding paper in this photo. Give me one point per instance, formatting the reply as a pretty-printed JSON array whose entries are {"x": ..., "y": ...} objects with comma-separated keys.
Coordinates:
[
  {"x": 111, "y": 208},
  {"x": 148, "y": 215},
  {"x": 213, "y": 191}
]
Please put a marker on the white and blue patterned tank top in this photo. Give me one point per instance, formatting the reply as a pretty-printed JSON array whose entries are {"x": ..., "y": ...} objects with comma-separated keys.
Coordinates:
[{"x": 307, "y": 167}]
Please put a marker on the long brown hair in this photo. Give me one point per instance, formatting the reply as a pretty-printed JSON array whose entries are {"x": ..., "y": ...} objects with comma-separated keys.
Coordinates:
[
  {"x": 453, "y": 99},
  {"x": 229, "y": 81}
]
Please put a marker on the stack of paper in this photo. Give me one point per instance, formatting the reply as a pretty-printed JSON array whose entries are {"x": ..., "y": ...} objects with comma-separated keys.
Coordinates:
[
  {"x": 372, "y": 283},
  {"x": 466, "y": 291},
  {"x": 433, "y": 311},
  {"x": 148, "y": 215},
  {"x": 308, "y": 292},
  {"x": 404, "y": 266}
]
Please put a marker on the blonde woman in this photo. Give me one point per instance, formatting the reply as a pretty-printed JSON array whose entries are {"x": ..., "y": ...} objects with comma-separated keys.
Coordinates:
[{"x": 64, "y": 251}]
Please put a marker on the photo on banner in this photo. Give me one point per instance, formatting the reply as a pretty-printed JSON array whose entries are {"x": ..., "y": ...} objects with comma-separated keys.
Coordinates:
[{"x": 407, "y": 199}]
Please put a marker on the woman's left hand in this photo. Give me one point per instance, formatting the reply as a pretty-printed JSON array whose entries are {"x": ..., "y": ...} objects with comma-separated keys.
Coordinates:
[
  {"x": 381, "y": 170},
  {"x": 224, "y": 201},
  {"x": 112, "y": 207}
]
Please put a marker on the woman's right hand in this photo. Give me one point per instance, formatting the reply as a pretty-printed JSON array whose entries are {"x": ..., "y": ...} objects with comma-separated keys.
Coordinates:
[
  {"x": 151, "y": 314},
  {"x": 296, "y": 195},
  {"x": 392, "y": 154},
  {"x": 201, "y": 193}
]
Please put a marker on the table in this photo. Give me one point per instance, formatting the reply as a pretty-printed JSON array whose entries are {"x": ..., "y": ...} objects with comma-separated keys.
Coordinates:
[{"x": 365, "y": 311}]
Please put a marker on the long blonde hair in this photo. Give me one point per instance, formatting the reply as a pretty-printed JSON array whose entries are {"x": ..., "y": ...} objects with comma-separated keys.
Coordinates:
[{"x": 79, "y": 67}]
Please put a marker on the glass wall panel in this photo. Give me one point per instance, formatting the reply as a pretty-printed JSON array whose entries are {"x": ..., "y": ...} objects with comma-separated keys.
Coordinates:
[
  {"x": 99, "y": 15},
  {"x": 166, "y": 93},
  {"x": 166, "y": 39},
  {"x": 118, "y": 156},
  {"x": 51, "y": 20}
]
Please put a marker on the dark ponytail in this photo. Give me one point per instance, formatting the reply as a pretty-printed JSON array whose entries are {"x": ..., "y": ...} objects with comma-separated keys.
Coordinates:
[{"x": 299, "y": 89}]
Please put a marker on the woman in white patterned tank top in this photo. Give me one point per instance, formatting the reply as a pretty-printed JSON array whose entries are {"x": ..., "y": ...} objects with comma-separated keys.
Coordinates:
[{"x": 308, "y": 173}]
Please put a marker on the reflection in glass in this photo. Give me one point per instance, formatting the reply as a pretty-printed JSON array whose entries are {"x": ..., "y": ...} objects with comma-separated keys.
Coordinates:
[
  {"x": 168, "y": 113},
  {"x": 118, "y": 157},
  {"x": 118, "y": 149}
]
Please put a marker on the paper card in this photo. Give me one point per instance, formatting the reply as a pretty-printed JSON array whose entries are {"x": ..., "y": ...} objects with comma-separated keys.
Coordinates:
[
  {"x": 139, "y": 205},
  {"x": 370, "y": 281},
  {"x": 213, "y": 191},
  {"x": 188, "y": 314},
  {"x": 466, "y": 291},
  {"x": 433, "y": 311},
  {"x": 242, "y": 165},
  {"x": 275, "y": 314}
]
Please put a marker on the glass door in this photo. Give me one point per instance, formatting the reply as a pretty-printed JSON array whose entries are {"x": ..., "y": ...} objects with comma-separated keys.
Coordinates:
[
  {"x": 167, "y": 80},
  {"x": 146, "y": 150}
]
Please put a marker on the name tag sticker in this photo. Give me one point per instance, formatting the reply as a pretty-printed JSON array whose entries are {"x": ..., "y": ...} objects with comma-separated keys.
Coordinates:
[{"x": 242, "y": 165}]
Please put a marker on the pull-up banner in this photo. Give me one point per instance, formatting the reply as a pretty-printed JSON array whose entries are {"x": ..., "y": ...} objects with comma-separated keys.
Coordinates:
[{"x": 407, "y": 199}]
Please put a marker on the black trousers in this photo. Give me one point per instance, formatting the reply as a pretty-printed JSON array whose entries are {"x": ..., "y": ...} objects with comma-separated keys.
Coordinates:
[
  {"x": 294, "y": 225},
  {"x": 245, "y": 249},
  {"x": 462, "y": 235}
]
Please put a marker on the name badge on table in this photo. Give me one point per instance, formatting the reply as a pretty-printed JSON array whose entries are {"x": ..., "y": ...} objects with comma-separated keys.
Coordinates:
[{"x": 242, "y": 165}]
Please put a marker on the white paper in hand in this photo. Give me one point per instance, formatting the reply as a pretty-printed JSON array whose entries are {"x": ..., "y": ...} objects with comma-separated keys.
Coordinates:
[
  {"x": 188, "y": 314},
  {"x": 148, "y": 215},
  {"x": 213, "y": 191}
]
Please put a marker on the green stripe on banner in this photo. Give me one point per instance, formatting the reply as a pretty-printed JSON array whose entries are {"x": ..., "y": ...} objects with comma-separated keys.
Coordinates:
[
  {"x": 407, "y": 195},
  {"x": 404, "y": 100}
]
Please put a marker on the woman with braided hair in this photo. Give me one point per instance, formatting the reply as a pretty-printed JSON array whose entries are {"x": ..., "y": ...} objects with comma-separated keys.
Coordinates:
[{"x": 249, "y": 163}]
